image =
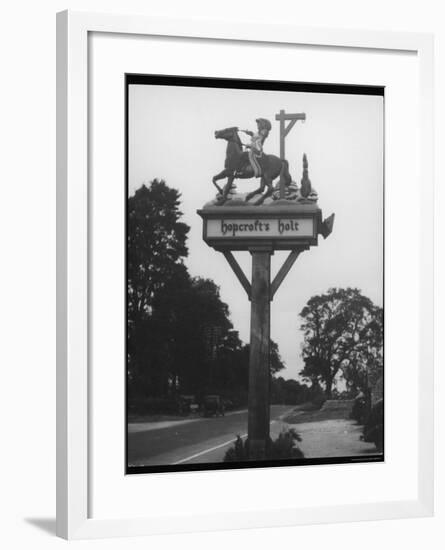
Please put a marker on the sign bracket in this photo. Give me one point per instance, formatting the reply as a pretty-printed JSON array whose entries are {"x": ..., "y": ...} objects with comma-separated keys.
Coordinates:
[
  {"x": 236, "y": 268},
  {"x": 284, "y": 270}
]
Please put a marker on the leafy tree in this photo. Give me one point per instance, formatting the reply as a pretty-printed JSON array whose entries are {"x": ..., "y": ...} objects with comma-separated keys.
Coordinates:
[
  {"x": 156, "y": 244},
  {"x": 276, "y": 362},
  {"x": 365, "y": 365},
  {"x": 289, "y": 392},
  {"x": 183, "y": 317},
  {"x": 343, "y": 332},
  {"x": 156, "y": 247}
]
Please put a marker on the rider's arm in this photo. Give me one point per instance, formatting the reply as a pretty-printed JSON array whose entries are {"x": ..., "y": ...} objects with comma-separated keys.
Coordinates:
[{"x": 248, "y": 132}]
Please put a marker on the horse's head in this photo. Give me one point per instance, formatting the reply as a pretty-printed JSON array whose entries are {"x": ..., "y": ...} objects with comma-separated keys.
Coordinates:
[{"x": 229, "y": 134}]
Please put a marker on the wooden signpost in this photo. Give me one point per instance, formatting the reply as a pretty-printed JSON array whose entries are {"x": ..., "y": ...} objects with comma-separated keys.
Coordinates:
[
  {"x": 261, "y": 231},
  {"x": 279, "y": 225}
]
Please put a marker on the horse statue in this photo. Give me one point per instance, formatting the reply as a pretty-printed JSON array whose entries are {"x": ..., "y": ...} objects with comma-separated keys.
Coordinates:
[{"x": 237, "y": 165}]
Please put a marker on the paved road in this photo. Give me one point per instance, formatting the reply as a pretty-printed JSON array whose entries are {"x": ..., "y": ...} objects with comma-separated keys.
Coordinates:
[{"x": 202, "y": 440}]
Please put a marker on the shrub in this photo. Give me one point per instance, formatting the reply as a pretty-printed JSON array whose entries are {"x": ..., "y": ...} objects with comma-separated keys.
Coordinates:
[
  {"x": 373, "y": 428},
  {"x": 284, "y": 447},
  {"x": 237, "y": 453},
  {"x": 359, "y": 411},
  {"x": 318, "y": 400}
]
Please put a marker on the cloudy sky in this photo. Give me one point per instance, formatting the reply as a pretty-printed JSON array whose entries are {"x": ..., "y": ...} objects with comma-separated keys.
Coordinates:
[{"x": 171, "y": 137}]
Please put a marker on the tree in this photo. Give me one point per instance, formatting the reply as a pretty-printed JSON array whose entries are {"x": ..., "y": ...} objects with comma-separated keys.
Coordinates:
[
  {"x": 156, "y": 244},
  {"x": 156, "y": 247},
  {"x": 276, "y": 362},
  {"x": 365, "y": 365},
  {"x": 183, "y": 317},
  {"x": 342, "y": 330},
  {"x": 289, "y": 392}
]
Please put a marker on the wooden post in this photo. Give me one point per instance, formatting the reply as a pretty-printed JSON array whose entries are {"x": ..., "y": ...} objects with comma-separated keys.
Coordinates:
[
  {"x": 281, "y": 118},
  {"x": 259, "y": 361}
]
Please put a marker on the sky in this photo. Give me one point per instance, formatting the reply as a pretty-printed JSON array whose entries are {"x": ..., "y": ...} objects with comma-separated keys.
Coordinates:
[{"x": 171, "y": 137}]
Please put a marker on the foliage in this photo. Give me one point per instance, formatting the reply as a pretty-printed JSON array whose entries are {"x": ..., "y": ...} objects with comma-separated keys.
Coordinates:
[
  {"x": 156, "y": 247},
  {"x": 343, "y": 333},
  {"x": 276, "y": 362},
  {"x": 289, "y": 392},
  {"x": 284, "y": 447},
  {"x": 359, "y": 410},
  {"x": 239, "y": 452},
  {"x": 373, "y": 428},
  {"x": 156, "y": 244}
]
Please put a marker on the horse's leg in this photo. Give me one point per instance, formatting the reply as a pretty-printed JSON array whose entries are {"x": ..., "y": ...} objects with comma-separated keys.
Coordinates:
[
  {"x": 266, "y": 181},
  {"x": 223, "y": 174},
  {"x": 259, "y": 190},
  {"x": 228, "y": 186}
]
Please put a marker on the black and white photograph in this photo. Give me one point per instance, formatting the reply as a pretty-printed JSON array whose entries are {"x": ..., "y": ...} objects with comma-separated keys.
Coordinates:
[{"x": 254, "y": 273}]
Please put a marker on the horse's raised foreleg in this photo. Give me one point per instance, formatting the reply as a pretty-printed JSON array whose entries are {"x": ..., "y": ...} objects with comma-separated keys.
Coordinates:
[{"x": 223, "y": 174}]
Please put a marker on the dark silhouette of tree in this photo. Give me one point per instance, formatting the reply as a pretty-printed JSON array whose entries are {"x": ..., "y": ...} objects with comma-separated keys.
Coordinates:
[
  {"x": 276, "y": 362},
  {"x": 156, "y": 244},
  {"x": 289, "y": 392},
  {"x": 183, "y": 317},
  {"x": 365, "y": 365},
  {"x": 156, "y": 248},
  {"x": 343, "y": 331}
]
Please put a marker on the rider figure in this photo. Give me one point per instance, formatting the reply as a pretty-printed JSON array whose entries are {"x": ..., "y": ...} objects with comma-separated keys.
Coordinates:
[{"x": 256, "y": 144}]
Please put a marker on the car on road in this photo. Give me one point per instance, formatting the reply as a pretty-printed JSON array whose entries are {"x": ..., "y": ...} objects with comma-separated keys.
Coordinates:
[
  {"x": 213, "y": 405},
  {"x": 187, "y": 404}
]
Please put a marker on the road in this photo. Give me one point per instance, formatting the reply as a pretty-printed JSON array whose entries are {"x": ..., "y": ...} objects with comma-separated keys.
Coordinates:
[{"x": 191, "y": 441}]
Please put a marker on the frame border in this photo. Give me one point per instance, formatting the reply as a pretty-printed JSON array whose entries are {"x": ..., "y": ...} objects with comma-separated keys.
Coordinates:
[{"x": 73, "y": 519}]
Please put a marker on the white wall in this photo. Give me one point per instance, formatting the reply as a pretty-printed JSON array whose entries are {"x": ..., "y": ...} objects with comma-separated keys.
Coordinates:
[{"x": 27, "y": 297}]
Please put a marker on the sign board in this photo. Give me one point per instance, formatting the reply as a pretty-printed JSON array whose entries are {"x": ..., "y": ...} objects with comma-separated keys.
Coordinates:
[{"x": 242, "y": 228}]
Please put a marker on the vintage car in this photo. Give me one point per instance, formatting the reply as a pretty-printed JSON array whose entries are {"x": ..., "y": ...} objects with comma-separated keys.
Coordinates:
[
  {"x": 187, "y": 404},
  {"x": 213, "y": 405}
]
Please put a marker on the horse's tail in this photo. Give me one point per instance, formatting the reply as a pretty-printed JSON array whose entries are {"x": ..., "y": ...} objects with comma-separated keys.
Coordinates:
[{"x": 285, "y": 176}]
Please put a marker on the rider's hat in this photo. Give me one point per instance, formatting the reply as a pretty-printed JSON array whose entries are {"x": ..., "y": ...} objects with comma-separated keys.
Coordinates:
[{"x": 264, "y": 124}]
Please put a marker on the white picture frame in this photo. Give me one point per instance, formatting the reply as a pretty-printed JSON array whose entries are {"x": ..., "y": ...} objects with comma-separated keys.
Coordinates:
[{"x": 74, "y": 499}]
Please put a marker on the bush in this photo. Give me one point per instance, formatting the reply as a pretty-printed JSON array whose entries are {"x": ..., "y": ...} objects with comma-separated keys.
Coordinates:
[
  {"x": 284, "y": 447},
  {"x": 237, "y": 453},
  {"x": 359, "y": 411},
  {"x": 318, "y": 400},
  {"x": 373, "y": 428}
]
